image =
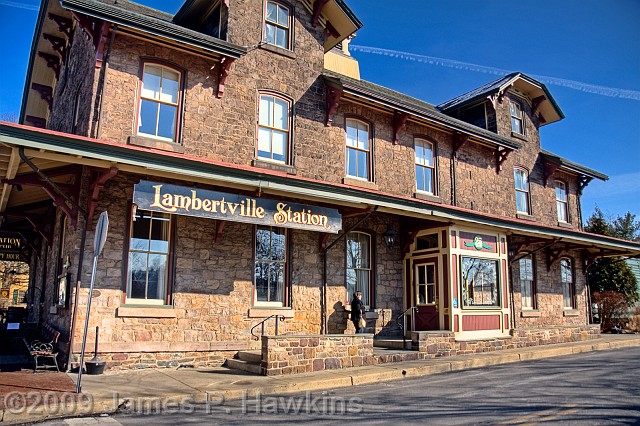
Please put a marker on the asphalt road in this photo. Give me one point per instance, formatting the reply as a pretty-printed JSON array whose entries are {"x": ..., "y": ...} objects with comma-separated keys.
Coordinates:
[{"x": 592, "y": 388}]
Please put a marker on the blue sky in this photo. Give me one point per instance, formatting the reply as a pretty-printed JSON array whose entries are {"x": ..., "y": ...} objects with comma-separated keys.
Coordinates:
[{"x": 594, "y": 46}]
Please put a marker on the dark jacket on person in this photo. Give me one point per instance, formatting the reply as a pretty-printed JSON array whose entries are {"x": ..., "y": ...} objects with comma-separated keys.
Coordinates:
[{"x": 357, "y": 309}]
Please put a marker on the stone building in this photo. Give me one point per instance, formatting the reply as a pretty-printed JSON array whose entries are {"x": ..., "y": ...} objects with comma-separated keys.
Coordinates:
[{"x": 249, "y": 174}]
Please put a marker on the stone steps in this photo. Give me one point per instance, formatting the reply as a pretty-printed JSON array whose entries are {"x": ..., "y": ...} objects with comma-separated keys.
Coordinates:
[
  {"x": 392, "y": 343},
  {"x": 249, "y": 361}
]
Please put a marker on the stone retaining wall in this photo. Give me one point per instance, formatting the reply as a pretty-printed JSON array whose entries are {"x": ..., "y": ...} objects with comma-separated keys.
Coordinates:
[
  {"x": 302, "y": 354},
  {"x": 443, "y": 343}
]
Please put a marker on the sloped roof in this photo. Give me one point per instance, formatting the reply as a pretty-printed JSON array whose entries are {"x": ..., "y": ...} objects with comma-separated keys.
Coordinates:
[
  {"x": 575, "y": 167},
  {"x": 402, "y": 102},
  {"x": 548, "y": 108},
  {"x": 151, "y": 21}
]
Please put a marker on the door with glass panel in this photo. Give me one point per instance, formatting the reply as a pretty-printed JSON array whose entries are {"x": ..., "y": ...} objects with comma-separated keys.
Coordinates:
[{"x": 425, "y": 284}]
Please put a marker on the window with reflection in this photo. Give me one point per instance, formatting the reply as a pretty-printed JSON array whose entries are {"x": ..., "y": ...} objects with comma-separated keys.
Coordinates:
[
  {"x": 277, "y": 25},
  {"x": 426, "y": 283},
  {"x": 358, "y": 149},
  {"x": 561, "y": 202},
  {"x": 270, "y": 266},
  {"x": 521, "y": 178},
  {"x": 568, "y": 286},
  {"x": 480, "y": 285},
  {"x": 425, "y": 166},
  {"x": 358, "y": 263},
  {"x": 527, "y": 284},
  {"x": 159, "y": 105},
  {"x": 273, "y": 128},
  {"x": 148, "y": 262},
  {"x": 517, "y": 117}
]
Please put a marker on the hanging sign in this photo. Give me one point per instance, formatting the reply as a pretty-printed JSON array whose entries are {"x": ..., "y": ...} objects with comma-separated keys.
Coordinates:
[
  {"x": 13, "y": 247},
  {"x": 198, "y": 202}
]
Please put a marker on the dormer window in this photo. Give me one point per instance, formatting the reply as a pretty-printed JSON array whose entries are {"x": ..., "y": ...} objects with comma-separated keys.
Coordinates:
[
  {"x": 517, "y": 122},
  {"x": 277, "y": 25}
]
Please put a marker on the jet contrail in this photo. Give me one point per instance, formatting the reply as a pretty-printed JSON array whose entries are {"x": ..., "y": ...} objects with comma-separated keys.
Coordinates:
[
  {"x": 450, "y": 63},
  {"x": 20, "y": 5}
]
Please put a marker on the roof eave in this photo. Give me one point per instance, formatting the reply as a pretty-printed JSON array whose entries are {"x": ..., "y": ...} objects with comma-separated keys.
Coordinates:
[{"x": 109, "y": 14}]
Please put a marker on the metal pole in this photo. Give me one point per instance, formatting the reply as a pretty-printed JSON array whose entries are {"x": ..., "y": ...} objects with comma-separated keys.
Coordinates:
[
  {"x": 86, "y": 324},
  {"x": 277, "y": 319}
]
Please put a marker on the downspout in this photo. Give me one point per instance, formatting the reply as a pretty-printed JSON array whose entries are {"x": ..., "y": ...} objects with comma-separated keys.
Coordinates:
[
  {"x": 323, "y": 296},
  {"x": 454, "y": 200},
  {"x": 57, "y": 189},
  {"x": 97, "y": 116}
]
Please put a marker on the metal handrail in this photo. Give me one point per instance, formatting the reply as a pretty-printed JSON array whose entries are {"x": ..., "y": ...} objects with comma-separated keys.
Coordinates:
[
  {"x": 276, "y": 316},
  {"x": 403, "y": 326}
]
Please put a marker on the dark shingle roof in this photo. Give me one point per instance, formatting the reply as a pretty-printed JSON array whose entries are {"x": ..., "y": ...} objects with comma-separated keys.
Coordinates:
[
  {"x": 573, "y": 166},
  {"x": 151, "y": 21},
  {"x": 414, "y": 106},
  {"x": 480, "y": 92}
]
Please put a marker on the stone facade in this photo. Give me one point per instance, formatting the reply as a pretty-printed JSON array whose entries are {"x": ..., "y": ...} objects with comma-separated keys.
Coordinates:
[
  {"x": 282, "y": 355},
  {"x": 210, "y": 307}
]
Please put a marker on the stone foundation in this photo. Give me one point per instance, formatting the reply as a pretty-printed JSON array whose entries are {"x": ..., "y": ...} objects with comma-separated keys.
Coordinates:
[
  {"x": 140, "y": 360},
  {"x": 443, "y": 343},
  {"x": 302, "y": 354}
]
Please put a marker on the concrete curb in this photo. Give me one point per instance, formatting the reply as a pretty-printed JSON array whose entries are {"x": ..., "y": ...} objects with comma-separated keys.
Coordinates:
[{"x": 339, "y": 378}]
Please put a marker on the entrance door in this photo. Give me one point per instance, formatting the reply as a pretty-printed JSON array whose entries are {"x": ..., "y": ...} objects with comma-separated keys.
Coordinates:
[{"x": 425, "y": 284}]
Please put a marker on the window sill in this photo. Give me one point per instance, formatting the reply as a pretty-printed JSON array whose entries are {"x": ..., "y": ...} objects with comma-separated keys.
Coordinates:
[
  {"x": 280, "y": 167},
  {"x": 427, "y": 197},
  {"x": 530, "y": 313},
  {"x": 258, "y": 312},
  {"x": 155, "y": 144},
  {"x": 518, "y": 136},
  {"x": 570, "y": 313},
  {"x": 525, "y": 216},
  {"x": 565, "y": 225},
  {"x": 359, "y": 182},
  {"x": 138, "y": 311},
  {"x": 279, "y": 50}
]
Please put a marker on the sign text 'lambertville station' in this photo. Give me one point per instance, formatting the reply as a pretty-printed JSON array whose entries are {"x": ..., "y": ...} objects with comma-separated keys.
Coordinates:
[{"x": 187, "y": 201}]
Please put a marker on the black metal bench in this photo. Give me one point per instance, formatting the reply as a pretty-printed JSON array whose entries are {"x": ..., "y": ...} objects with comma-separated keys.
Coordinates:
[{"x": 46, "y": 347}]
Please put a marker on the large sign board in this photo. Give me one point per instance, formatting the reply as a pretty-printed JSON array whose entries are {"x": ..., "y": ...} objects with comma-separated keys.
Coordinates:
[
  {"x": 166, "y": 198},
  {"x": 13, "y": 247}
]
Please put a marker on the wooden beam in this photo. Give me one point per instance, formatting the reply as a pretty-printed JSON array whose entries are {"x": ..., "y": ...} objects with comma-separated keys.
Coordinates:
[
  {"x": 550, "y": 168},
  {"x": 459, "y": 139},
  {"x": 53, "y": 62},
  {"x": 333, "y": 96},
  {"x": 399, "y": 121},
  {"x": 58, "y": 44},
  {"x": 226, "y": 64},
  {"x": 65, "y": 25},
  {"x": 501, "y": 156},
  {"x": 317, "y": 9},
  {"x": 96, "y": 188},
  {"x": 45, "y": 92}
]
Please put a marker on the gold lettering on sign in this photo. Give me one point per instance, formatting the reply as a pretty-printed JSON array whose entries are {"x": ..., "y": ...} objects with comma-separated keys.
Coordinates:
[
  {"x": 245, "y": 208},
  {"x": 285, "y": 215}
]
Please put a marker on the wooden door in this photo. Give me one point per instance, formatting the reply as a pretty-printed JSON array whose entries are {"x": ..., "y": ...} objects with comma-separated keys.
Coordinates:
[{"x": 425, "y": 285}]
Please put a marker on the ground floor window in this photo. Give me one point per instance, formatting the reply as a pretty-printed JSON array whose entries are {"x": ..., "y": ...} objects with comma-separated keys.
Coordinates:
[
  {"x": 426, "y": 283},
  {"x": 148, "y": 260},
  {"x": 358, "y": 263},
  {"x": 568, "y": 286},
  {"x": 527, "y": 284},
  {"x": 270, "y": 266},
  {"x": 480, "y": 284}
]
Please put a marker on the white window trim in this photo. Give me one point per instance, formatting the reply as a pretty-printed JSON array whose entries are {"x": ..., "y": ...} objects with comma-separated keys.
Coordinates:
[
  {"x": 178, "y": 105},
  {"x": 432, "y": 169}
]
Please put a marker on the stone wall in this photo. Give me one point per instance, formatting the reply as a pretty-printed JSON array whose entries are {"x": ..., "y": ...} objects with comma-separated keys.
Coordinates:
[
  {"x": 283, "y": 355},
  {"x": 438, "y": 344}
]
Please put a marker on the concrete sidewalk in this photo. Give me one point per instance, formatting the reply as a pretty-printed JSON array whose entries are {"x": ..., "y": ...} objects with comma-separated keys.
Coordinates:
[{"x": 128, "y": 390}]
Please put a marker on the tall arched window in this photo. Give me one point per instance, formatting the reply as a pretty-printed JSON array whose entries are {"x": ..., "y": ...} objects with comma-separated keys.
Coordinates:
[
  {"x": 358, "y": 264},
  {"x": 521, "y": 177},
  {"x": 562, "y": 202},
  {"x": 425, "y": 166},
  {"x": 273, "y": 128},
  {"x": 160, "y": 101},
  {"x": 358, "y": 144},
  {"x": 568, "y": 285}
]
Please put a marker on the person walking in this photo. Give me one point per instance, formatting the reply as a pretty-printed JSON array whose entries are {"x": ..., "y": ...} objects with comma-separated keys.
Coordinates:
[{"x": 357, "y": 311}]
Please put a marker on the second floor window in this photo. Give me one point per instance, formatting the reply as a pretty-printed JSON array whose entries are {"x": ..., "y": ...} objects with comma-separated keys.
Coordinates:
[
  {"x": 159, "y": 104},
  {"x": 561, "y": 202},
  {"x": 277, "y": 25},
  {"x": 521, "y": 178},
  {"x": 425, "y": 166},
  {"x": 527, "y": 285},
  {"x": 517, "y": 117},
  {"x": 273, "y": 128},
  {"x": 568, "y": 289},
  {"x": 358, "y": 149}
]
